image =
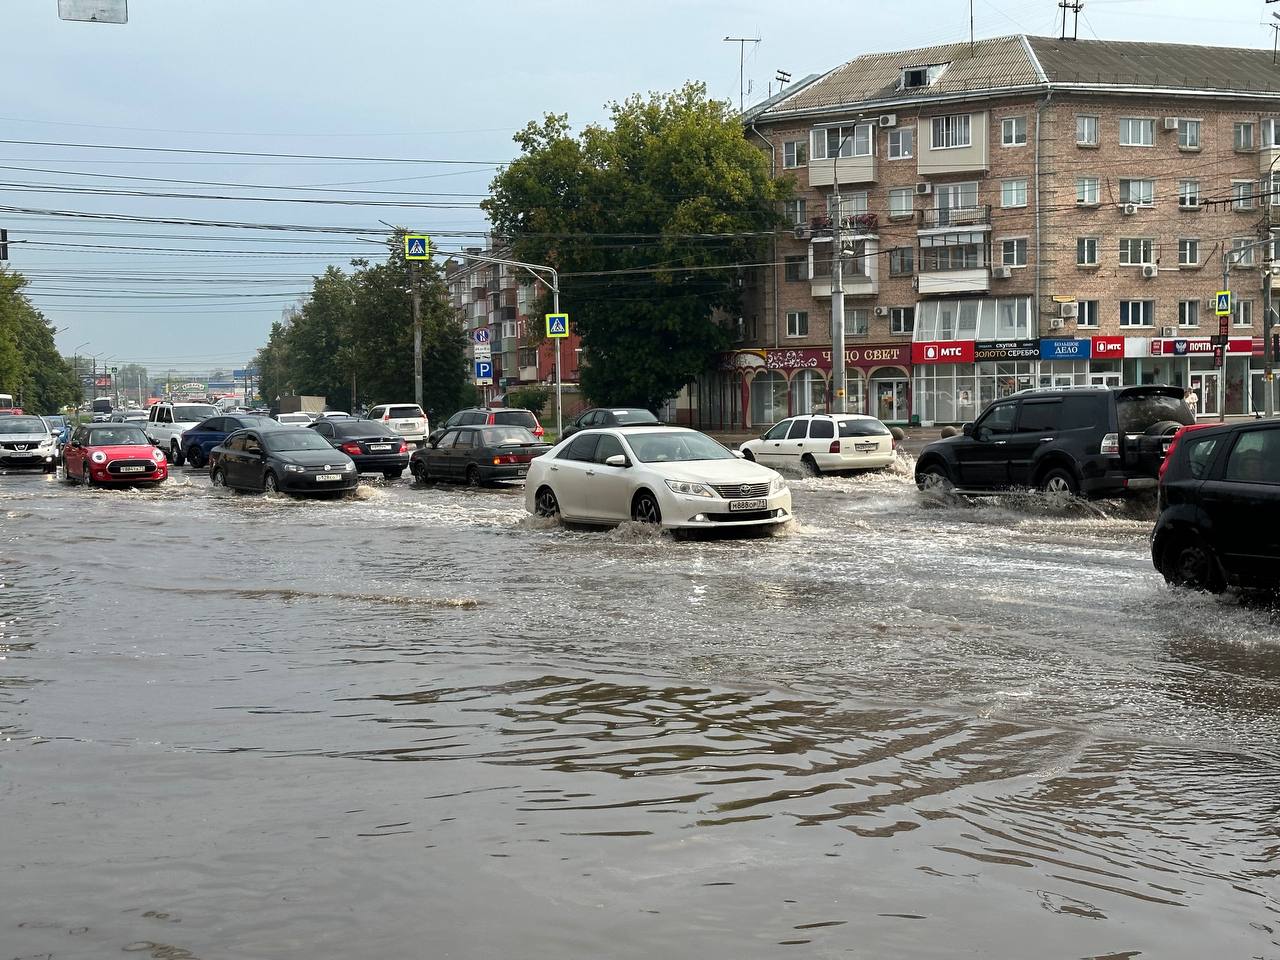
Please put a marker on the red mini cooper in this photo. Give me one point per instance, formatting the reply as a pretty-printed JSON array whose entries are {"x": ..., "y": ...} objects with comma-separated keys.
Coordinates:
[{"x": 113, "y": 453}]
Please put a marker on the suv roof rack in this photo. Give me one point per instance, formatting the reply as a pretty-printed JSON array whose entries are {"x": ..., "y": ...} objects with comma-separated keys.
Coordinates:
[{"x": 1074, "y": 386}]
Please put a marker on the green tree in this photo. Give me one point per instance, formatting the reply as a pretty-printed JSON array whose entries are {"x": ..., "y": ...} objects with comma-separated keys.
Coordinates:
[
  {"x": 31, "y": 368},
  {"x": 648, "y": 219},
  {"x": 532, "y": 398}
]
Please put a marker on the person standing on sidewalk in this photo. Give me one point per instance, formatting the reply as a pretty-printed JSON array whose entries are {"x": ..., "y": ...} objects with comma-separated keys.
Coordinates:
[{"x": 1192, "y": 400}]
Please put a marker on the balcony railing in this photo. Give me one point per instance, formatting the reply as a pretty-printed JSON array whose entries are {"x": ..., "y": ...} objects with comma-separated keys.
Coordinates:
[{"x": 942, "y": 217}]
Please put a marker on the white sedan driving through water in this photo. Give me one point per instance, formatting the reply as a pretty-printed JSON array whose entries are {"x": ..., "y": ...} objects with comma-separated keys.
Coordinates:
[{"x": 672, "y": 476}]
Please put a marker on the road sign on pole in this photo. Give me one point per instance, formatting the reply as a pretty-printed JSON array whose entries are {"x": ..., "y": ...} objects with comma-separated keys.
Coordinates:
[
  {"x": 1223, "y": 306},
  {"x": 557, "y": 324},
  {"x": 482, "y": 351},
  {"x": 417, "y": 246},
  {"x": 484, "y": 372},
  {"x": 481, "y": 335}
]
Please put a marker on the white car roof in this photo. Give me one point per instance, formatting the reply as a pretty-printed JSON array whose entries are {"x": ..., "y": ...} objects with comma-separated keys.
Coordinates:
[{"x": 831, "y": 416}]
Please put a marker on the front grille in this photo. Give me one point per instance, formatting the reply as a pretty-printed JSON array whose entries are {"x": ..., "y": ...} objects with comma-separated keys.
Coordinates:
[
  {"x": 741, "y": 515},
  {"x": 741, "y": 491},
  {"x": 115, "y": 465},
  {"x": 22, "y": 446}
]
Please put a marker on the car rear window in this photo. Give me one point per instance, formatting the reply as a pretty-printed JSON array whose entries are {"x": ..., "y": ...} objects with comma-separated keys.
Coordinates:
[
  {"x": 862, "y": 428},
  {"x": 634, "y": 416},
  {"x": 1138, "y": 413},
  {"x": 360, "y": 428},
  {"x": 500, "y": 436},
  {"x": 521, "y": 418},
  {"x": 405, "y": 413}
]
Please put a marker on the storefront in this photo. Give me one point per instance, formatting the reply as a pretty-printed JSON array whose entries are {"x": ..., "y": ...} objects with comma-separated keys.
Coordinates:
[{"x": 1189, "y": 362}]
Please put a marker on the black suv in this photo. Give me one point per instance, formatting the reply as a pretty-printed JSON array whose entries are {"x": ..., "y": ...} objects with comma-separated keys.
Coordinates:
[
  {"x": 1089, "y": 441},
  {"x": 1219, "y": 502}
]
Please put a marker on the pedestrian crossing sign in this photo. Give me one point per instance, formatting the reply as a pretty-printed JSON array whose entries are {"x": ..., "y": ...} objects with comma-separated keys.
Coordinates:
[
  {"x": 1223, "y": 306},
  {"x": 417, "y": 247},
  {"x": 557, "y": 324}
]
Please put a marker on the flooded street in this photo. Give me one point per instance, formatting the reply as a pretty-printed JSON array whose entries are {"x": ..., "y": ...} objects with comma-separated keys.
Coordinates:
[{"x": 417, "y": 723}]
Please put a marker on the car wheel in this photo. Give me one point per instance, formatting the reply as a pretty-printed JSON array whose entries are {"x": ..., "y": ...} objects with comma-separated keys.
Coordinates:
[
  {"x": 473, "y": 476},
  {"x": 175, "y": 455},
  {"x": 218, "y": 478},
  {"x": 748, "y": 455},
  {"x": 196, "y": 457},
  {"x": 809, "y": 466},
  {"x": 1190, "y": 563},
  {"x": 1060, "y": 486},
  {"x": 645, "y": 508},
  {"x": 270, "y": 485},
  {"x": 545, "y": 503},
  {"x": 934, "y": 478},
  {"x": 392, "y": 474},
  {"x": 419, "y": 470}
]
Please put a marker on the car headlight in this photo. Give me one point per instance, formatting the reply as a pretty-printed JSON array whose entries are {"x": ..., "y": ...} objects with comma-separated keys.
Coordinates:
[
  {"x": 348, "y": 467},
  {"x": 99, "y": 457},
  {"x": 294, "y": 468},
  {"x": 777, "y": 485},
  {"x": 157, "y": 456},
  {"x": 689, "y": 489}
]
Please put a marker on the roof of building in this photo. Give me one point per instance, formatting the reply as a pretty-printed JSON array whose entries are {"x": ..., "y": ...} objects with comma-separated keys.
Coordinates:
[{"x": 1019, "y": 63}]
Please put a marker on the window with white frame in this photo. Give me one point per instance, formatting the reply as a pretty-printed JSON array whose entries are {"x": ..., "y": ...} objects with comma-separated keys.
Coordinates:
[
  {"x": 1086, "y": 313},
  {"x": 1242, "y": 251},
  {"x": 795, "y": 153},
  {"x": 1137, "y": 131},
  {"x": 854, "y": 141},
  {"x": 851, "y": 204},
  {"x": 1242, "y": 137},
  {"x": 902, "y": 319},
  {"x": 1013, "y": 132},
  {"x": 798, "y": 323},
  {"x": 1242, "y": 313},
  {"x": 901, "y": 261},
  {"x": 1188, "y": 252},
  {"x": 922, "y": 76},
  {"x": 1013, "y": 193},
  {"x": 1189, "y": 134},
  {"x": 1013, "y": 252},
  {"x": 857, "y": 322},
  {"x": 1087, "y": 190},
  {"x": 1188, "y": 313},
  {"x": 901, "y": 201},
  {"x": 952, "y": 131},
  {"x": 1086, "y": 251},
  {"x": 902, "y": 143},
  {"x": 1188, "y": 193},
  {"x": 508, "y": 329},
  {"x": 956, "y": 196},
  {"x": 1141, "y": 192},
  {"x": 794, "y": 210},
  {"x": 1242, "y": 192},
  {"x": 1270, "y": 133},
  {"x": 1086, "y": 131},
  {"x": 1136, "y": 251},
  {"x": 1137, "y": 313}
]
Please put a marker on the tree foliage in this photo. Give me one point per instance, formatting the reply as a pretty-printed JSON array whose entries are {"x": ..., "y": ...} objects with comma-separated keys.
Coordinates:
[
  {"x": 31, "y": 368},
  {"x": 647, "y": 219},
  {"x": 533, "y": 398},
  {"x": 352, "y": 340}
]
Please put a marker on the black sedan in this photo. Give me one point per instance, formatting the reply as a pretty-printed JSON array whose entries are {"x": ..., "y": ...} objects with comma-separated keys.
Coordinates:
[
  {"x": 373, "y": 446},
  {"x": 610, "y": 417},
  {"x": 281, "y": 459},
  {"x": 478, "y": 455}
]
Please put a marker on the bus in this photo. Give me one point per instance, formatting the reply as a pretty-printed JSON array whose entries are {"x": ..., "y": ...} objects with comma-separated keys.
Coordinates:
[
  {"x": 102, "y": 405},
  {"x": 6, "y": 404}
]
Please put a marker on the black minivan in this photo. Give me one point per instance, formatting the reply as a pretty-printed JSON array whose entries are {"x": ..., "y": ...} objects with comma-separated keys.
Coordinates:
[{"x": 1087, "y": 441}]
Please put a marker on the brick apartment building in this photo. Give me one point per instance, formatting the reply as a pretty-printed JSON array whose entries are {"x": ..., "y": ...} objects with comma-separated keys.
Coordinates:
[{"x": 1023, "y": 212}]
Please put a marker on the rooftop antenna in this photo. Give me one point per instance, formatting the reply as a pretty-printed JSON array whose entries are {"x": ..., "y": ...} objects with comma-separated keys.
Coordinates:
[
  {"x": 1075, "y": 6},
  {"x": 783, "y": 78},
  {"x": 1275, "y": 37},
  {"x": 742, "y": 61},
  {"x": 971, "y": 28}
]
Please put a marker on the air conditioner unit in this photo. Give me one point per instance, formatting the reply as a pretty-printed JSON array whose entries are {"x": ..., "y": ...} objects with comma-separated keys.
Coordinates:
[
  {"x": 888, "y": 119},
  {"x": 1171, "y": 123},
  {"x": 1068, "y": 311},
  {"x": 800, "y": 231},
  {"x": 882, "y": 311},
  {"x": 1129, "y": 209},
  {"x": 1168, "y": 331},
  {"x": 1056, "y": 323},
  {"x": 1149, "y": 270},
  {"x": 1001, "y": 273},
  {"x": 924, "y": 188}
]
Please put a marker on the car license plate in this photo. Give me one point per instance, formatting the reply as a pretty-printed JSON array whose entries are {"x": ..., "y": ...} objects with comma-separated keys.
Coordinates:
[
  {"x": 379, "y": 447},
  {"x": 329, "y": 476},
  {"x": 406, "y": 423},
  {"x": 736, "y": 505},
  {"x": 864, "y": 447},
  {"x": 133, "y": 469}
]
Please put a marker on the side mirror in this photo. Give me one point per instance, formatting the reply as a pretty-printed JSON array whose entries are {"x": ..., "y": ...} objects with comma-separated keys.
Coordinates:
[
  {"x": 967, "y": 429},
  {"x": 617, "y": 460},
  {"x": 739, "y": 454}
]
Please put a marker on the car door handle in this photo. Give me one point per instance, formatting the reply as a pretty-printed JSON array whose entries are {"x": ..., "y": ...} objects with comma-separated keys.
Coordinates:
[
  {"x": 1047, "y": 439},
  {"x": 999, "y": 443},
  {"x": 591, "y": 473},
  {"x": 554, "y": 469}
]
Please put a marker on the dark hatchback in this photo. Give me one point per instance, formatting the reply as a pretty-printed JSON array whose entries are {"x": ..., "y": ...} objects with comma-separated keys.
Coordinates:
[
  {"x": 372, "y": 445},
  {"x": 284, "y": 459},
  {"x": 1087, "y": 441},
  {"x": 611, "y": 417},
  {"x": 197, "y": 441},
  {"x": 478, "y": 455},
  {"x": 1219, "y": 519}
]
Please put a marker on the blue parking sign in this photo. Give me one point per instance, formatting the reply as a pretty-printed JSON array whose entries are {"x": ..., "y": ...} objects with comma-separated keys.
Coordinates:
[{"x": 484, "y": 371}]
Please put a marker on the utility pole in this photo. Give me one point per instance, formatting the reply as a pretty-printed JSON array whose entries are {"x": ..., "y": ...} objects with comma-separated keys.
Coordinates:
[
  {"x": 417, "y": 340},
  {"x": 1268, "y": 352},
  {"x": 1075, "y": 6},
  {"x": 839, "y": 399},
  {"x": 742, "y": 60}
]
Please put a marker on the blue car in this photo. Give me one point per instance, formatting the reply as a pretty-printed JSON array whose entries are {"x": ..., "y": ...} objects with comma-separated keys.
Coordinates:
[
  {"x": 62, "y": 427},
  {"x": 204, "y": 436}
]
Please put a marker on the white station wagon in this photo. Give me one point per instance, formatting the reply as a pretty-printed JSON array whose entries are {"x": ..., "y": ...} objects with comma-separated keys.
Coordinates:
[{"x": 822, "y": 442}]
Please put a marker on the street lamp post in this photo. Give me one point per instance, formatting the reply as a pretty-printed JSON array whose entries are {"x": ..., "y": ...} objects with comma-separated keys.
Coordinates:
[{"x": 1268, "y": 352}]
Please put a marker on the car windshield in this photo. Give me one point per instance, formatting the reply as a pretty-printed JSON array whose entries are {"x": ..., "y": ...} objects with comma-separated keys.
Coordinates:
[
  {"x": 121, "y": 436},
  {"x": 634, "y": 416},
  {"x": 1139, "y": 412},
  {"x": 862, "y": 428},
  {"x": 507, "y": 436},
  {"x": 193, "y": 412},
  {"x": 361, "y": 428},
  {"x": 23, "y": 425},
  {"x": 284, "y": 441},
  {"x": 672, "y": 447}
]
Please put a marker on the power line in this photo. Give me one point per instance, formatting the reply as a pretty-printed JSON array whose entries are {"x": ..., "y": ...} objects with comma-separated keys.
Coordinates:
[{"x": 250, "y": 153}]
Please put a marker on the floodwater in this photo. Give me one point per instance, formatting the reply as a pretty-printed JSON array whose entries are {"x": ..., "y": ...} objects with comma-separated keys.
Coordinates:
[{"x": 417, "y": 724}]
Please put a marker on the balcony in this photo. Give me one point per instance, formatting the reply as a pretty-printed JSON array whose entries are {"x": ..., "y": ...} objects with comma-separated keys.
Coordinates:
[
  {"x": 1266, "y": 157},
  {"x": 823, "y": 173},
  {"x": 968, "y": 280},
  {"x": 861, "y": 275},
  {"x": 953, "y": 218},
  {"x": 950, "y": 267}
]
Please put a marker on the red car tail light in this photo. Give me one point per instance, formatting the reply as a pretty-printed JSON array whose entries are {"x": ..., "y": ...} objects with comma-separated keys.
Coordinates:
[
  {"x": 351, "y": 449},
  {"x": 835, "y": 447},
  {"x": 537, "y": 431},
  {"x": 404, "y": 447}
]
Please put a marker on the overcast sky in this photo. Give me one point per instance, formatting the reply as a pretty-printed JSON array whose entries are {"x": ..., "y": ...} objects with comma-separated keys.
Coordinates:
[{"x": 399, "y": 79}]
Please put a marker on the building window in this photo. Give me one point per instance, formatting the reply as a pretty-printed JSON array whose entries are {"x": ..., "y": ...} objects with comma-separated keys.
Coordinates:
[
  {"x": 1086, "y": 190},
  {"x": 1087, "y": 131},
  {"x": 956, "y": 196},
  {"x": 1242, "y": 138},
  {"x": 1188, "y": 193},
  {"x": 1270, "y": 133},
  {"x": 923, "y": 76},
  {"x": 901, "y": 202},
  {"x": 951, "y": 131},
  {"x": 851, "y": 204},
  {"x": 1188, "y": 313},
  {"x": 857, "y": 322},
  {"x": 798, "y": 324},
  {"x": 795, "y": 153},
  {"x": 1242, "y": 251},
  {"x": 795, "y": 268},
  {"x": 902, "y": 143},
  {"x": 1137, "y": 313},
  {"x": 794, "y": 211},
  {"x": 1242, "y": 194},
  {"x": 1141, "y": 192},
  {"x": 1189, "y": 134},
  {"x": 1013, "y": 132},
  {"x": 1137, "y": 132},
  {"x": 1013, "y": 193},
  {"x": 901, "y": 262},
  {"x": 1013, "y": 253},
  {"x": 1087, "y": 251},
  {"x": 1188, "y": 253},
  {"x": 902, "y": 319},
  {"x": 1137, "y": 251},
  {"x": 1086, "y": 313},
  {"x": 1242, "y": 313},
  {"x": 852, "y": 141}
]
